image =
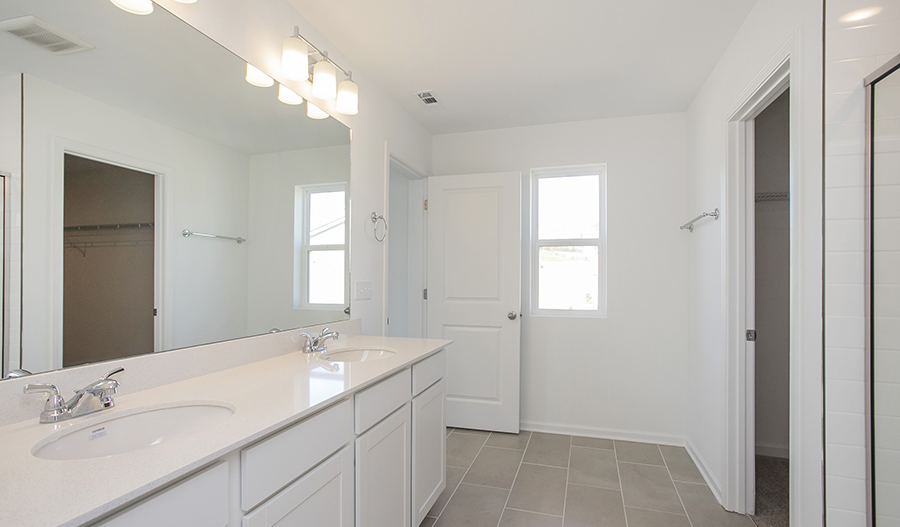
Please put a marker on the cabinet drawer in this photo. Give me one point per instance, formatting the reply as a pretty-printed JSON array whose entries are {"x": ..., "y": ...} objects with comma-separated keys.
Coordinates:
[
  {"x": 273, "y": 463},
  {"x": 199, "y": 501},
  {"x": 429, "y": 371},
  {"x": 375, "y": 403},
  {"x": 324, "y": 497}
]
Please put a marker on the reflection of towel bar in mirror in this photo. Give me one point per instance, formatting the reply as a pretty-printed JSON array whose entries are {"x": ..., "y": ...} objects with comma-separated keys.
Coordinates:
[
  {"x": 690, "y": 225},
  {"x": 187, "y": 234}
]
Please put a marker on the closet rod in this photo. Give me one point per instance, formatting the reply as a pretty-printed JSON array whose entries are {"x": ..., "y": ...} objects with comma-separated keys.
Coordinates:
[{"x": 107, "y": 226}]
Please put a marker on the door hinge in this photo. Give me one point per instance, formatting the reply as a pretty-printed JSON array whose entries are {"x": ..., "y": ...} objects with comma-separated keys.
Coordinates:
[
  {"x": 154, "y": 312},
  {"x": 388, "y": 321},
  {"x": 751, "y": 335},
  {"x": 426, "y": 204},
  {"x": 425, "y": 294}
]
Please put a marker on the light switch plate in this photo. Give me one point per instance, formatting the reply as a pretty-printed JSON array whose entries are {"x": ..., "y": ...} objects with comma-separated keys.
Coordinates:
[{"x": 363, "y": 290}]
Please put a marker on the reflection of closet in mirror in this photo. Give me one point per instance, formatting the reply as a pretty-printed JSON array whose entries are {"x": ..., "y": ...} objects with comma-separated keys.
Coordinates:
[
  {"x": 405, "y": 307},
  {"x": 883, "y": 95},
  {"x": 108, "y": 261}
]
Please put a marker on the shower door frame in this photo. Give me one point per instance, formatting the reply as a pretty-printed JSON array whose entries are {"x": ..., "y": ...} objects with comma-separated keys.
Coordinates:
[{"x": 890, "y": 67}]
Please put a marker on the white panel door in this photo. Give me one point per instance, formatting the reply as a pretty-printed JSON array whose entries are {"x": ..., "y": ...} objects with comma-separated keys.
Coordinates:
[{"x": 474, "y": 270}]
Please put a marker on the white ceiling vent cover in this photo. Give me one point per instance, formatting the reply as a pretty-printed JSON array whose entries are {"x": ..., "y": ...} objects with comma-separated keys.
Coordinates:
[
  {"x": 43, "y": 35},
  {"x": 428, "y": 98}
]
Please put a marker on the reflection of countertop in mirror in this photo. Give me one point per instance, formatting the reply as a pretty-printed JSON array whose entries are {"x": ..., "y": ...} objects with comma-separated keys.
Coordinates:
[{"x": 267, "y": 395}]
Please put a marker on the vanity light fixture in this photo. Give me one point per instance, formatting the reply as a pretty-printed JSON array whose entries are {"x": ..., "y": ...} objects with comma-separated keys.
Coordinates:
[
  {"x": 860, "y": 14},
  {"x": 347, "y": 98},
  {"x": 256, "y": 77},
  {"x": 135, "y": 7},
  {"x": 314, "y": 112},
  {"x": 288, "y": 96},
  {"x": 295, "y": 66}
]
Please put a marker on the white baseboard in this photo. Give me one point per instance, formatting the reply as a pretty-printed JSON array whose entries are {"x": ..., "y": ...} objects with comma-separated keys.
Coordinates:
[
  {"x": 773, "y": 451},
  {"x": 707, "y": 474},
  {"x": 605, "y": 433}
]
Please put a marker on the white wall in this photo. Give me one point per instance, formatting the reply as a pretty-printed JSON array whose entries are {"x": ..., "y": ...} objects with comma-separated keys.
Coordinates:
[
  {"x": 255, "y": 31},
  {"x": 206, "y": 192},
  {"x": 852, "y": 51},
  {"x": 769, "y": 26},
  {"x": 622, "y": 376},
  {"x": 270, "y": 251},
  {"x": 773, "y": 273}
]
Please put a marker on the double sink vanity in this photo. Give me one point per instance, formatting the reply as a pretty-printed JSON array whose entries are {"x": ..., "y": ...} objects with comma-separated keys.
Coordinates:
[{"x": 354, "y": 435}]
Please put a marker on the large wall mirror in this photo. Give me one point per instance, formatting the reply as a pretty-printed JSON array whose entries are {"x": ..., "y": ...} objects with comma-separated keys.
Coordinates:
[
  {"x": 883, "y": 96},
  {"x": 130, "y": 151}
]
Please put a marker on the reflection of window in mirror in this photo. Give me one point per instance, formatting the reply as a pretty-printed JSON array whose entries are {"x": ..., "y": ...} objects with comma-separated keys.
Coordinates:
[{"x": 320, "y": 246}]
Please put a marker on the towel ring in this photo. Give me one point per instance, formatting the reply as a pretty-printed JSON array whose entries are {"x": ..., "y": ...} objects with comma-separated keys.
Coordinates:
[{"x": 375, "y": 219}]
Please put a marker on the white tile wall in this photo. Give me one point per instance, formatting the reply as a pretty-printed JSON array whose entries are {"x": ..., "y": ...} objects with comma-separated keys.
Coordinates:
[{"x": 852, "y": 51}]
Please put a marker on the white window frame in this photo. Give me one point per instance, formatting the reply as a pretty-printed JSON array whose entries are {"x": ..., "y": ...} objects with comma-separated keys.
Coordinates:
[
  {"x": 537, "y": 174},
  {"x": 302, "y": 247}
]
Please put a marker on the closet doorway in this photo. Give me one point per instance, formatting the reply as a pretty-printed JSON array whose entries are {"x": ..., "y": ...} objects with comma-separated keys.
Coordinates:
[
  {"x": 772, "y": 310},
  {"x": 405, "y": 299},
  {"x": 109, "y": 242}
]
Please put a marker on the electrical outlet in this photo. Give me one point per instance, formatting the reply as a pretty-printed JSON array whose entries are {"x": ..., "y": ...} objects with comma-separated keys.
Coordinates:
[{"x": 363, "y": 290}]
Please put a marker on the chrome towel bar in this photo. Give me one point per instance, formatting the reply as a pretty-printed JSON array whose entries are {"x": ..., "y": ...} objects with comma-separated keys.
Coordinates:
[
  {"x": 690, "y": 225},
  {"x": 187, "y": 234}
]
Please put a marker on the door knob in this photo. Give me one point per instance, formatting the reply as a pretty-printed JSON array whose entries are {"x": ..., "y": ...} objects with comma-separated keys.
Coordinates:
[{"x": 512, "y": 315}]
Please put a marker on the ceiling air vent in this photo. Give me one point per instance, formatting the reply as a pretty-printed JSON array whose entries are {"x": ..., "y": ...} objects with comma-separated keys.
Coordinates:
[
  {"x": 43, "y": 35},
  {"x": 427, "y": 98}
]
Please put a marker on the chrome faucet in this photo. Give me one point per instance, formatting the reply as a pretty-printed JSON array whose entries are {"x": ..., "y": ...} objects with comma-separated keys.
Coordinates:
[
  {"x": 92, "y": 398},
  {"x": 314, "y": 344}
]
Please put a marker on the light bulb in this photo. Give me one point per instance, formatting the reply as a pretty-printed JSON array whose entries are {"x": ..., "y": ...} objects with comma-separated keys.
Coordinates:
[
  {"x": 324, "y": 80},
  {"x": 135, "y": 7},
  {"x": 295, "y": 59},
  {"x": 347, "y": 98},
  {"x": 257, "y": 78},
  {"x": 287, "y": 96},
  {"x": 314, "y": 112}
]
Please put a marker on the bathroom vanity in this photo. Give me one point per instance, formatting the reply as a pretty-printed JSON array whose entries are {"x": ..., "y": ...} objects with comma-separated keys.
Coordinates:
[{"x": 334, "y": 443}]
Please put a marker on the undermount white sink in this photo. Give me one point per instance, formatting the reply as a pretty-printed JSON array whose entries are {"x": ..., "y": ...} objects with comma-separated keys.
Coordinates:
[
  {"x": 134, "y": 430},
  {"x": 358, "y": 354}
]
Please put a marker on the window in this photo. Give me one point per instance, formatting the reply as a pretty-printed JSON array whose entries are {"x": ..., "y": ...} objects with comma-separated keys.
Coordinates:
[
  {"x": 568, "y": 241},
  {"x": 320, "y": 246}
]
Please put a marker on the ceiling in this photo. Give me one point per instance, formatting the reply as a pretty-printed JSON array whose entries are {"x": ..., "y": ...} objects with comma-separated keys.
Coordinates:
[
  {"x": 505, "y": 63},
  {"x": 162, "y": 69}
]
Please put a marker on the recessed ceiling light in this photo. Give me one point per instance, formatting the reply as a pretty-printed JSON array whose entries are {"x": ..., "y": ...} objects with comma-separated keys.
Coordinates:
[{"x": 860, "y": 14}]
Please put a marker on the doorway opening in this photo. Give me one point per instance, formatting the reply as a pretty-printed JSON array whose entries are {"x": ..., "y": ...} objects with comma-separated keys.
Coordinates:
[
  {"x": 405, "y": 277},
  {"x": 109, "y": 242},
  {"x": 770, "y": 308}
]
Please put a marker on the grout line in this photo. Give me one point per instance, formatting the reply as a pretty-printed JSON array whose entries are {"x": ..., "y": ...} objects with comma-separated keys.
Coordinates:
[
  {"x": 438, "y": 517},
  {"x": 621, "y": 487},
  {"x": 669, "y": 472},
  {"x": 595, "y": 448},
  {"x": 542, "y": 465},
  {"x": 645, "y": 464},
  {"x": 660, "y": 512},
  {"x": 566, "y": 493},
  {"x": 485, "y": 486},
  {"x": 504, "y": 448},
  {"x": 503, "y": 511},
  {"x": 533, "y": 512}
]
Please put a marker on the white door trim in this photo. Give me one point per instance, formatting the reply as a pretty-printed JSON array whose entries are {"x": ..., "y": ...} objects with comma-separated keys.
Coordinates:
[
  {"x": 739, "y": 287},
  {"x": 162, "y": 324}
]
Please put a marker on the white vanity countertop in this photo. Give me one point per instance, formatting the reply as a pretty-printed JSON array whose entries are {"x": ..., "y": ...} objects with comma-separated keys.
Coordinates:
[{"x": 266, "y": 395}]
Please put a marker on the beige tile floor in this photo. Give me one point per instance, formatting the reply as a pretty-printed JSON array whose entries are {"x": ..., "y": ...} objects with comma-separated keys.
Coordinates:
[{"x": 548, "y": 480}]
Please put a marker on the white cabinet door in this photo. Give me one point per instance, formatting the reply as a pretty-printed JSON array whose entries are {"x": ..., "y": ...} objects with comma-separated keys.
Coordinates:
[
  {"x": 323, "y": 498},
  {"x": 474, "y": 270},
  {"x": 429, "y": 449},
  {"x": 383, "y": 472},
  {"x": 199, "y": 501}
]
